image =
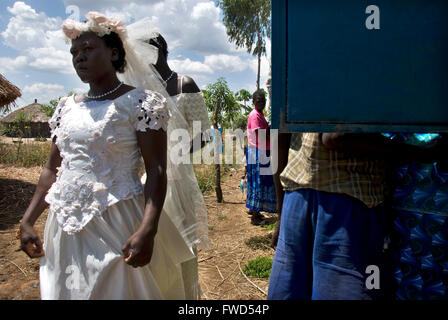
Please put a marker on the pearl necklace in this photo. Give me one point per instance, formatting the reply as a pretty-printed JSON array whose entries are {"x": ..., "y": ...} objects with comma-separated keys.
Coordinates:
[
  {"x": 165, "y": 82},
  {"x": 105, "y": 94}
]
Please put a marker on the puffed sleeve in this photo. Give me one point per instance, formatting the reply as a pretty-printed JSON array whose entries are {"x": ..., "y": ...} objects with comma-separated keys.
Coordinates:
[
  {"x": 55, "y": 119},
  {"x": 151, "y": 112},
  {"x": 196, "y": 110}
]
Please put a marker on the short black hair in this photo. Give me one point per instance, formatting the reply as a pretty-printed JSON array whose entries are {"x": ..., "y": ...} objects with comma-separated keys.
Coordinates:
[
  {"x": 259, "y": 93},
  {"x": 113, "y": 40},
  {"x": 160, "y": 43}
]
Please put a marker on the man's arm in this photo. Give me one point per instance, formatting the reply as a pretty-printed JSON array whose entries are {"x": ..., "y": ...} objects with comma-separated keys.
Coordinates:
[{"x": 376, "y": 146}]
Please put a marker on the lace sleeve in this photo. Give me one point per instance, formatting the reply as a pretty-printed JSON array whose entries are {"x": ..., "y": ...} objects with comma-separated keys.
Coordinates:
[
  {"x": 55, "y": 119},
  {"x": 151, "y": 112}
]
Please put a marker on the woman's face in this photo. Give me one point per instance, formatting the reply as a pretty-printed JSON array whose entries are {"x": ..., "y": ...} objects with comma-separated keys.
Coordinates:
[{"x": 91, "y": 57}]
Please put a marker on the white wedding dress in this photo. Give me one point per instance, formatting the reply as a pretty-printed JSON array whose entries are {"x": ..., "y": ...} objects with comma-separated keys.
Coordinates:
[{"x": 97, "y": 203}]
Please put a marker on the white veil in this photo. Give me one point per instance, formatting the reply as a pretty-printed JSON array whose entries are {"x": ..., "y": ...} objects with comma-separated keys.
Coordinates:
[{"x": 184, "y": 202}]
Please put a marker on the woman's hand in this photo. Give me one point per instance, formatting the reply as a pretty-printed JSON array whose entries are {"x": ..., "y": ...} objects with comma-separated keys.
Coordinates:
[
  {"x": 138, "y": 249},
  {"x": 30, "y": 242}
]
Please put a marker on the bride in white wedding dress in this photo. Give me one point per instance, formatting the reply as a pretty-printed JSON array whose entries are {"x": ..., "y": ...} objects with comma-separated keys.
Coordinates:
[{"x": 107, "y": 236}]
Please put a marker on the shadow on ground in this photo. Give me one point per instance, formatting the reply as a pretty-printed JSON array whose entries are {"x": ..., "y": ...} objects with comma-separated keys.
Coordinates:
[{"x": 15, "y": 195}]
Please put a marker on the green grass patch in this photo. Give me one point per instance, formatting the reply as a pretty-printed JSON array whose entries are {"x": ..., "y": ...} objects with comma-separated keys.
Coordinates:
[
  {"x": 259, "y": 267},
  {"x": 205, "y": 175},
  {"x": 270, "y": 227},
  {"x": 259, "y": 242},
  {"x": 221, "y": 217}
]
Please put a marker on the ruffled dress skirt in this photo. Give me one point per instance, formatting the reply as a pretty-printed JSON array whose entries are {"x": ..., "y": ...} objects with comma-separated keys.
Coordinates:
[{"x": 90, "y": 264}]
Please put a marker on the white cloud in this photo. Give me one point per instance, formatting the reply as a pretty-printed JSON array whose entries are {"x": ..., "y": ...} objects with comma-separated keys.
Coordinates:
[
  {"x": 189, "y": 67},
  {"x": 39, "y": 87},
  {"x": 27, "y": 28},
  {"x": 102, "y": 5},
  {"x": 11, "y": 65},
  {"x": 228, "y": 63},
  {"x": 38, "y": 39},
  {"x": 193, "y": 25},
  {"x": 44, "y": 92},
  {"x": 51, "y": 60}
]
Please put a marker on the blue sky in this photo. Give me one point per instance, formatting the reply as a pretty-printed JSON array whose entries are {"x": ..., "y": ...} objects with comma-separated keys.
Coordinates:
[{"x": 34, "y": 56}]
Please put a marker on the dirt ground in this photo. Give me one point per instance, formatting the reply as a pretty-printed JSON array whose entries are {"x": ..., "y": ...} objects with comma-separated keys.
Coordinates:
[{"x": 220, "y": 267}]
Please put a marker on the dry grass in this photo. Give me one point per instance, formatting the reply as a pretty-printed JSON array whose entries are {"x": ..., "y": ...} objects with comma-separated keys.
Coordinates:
[
  {"x": 24, "y": 153},
  {"x": 220, "y": 268}
]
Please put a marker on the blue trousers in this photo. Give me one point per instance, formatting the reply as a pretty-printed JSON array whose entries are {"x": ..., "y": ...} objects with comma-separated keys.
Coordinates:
[{"x": 325, "y": 244}]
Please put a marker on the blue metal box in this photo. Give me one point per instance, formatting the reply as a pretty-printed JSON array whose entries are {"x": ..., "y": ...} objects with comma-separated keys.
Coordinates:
[{"x": 339, "y": 65}]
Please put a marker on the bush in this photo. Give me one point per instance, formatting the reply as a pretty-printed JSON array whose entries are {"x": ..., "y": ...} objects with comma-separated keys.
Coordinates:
[
  {"x": 259, "y": 267},
  {"x": 205, "y": 175}
]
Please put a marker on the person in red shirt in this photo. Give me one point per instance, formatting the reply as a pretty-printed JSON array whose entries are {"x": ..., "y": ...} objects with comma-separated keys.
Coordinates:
[{"x": 261, "y": 194}]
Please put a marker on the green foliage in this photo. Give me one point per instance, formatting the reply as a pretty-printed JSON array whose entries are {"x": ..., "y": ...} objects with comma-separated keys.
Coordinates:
[
  {"x": 259, "y": 267},
  {"x": 219, "y": 93},
  {"x": 248, "y": 23},
  {"x": 49, "y": 108},
  {"x": 240, "y": 122},
  {"x": 205, "y": 177},
  {"x": 246, "y": 97},
  {"x": 20, "y": 127},
  {"x": 270, "y": 227}
]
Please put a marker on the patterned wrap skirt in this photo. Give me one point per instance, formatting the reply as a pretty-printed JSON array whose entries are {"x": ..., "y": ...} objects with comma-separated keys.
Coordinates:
[{"x": 261, "y": 194}]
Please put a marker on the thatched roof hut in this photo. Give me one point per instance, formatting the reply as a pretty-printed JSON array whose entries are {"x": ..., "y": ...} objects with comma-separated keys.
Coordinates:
[
  {"x": 8, "y": 93},
  {"x": 37, "y": 126}
]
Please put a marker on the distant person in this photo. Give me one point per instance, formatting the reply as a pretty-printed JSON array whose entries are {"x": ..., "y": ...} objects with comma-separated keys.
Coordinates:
[
  {"x": 260, "y": 185},
  {"x": 191, "y": 104},
  {"x": 184, "y": 90}
]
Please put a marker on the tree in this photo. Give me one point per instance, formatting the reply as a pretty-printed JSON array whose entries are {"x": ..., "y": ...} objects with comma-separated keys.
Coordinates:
[
  {"x": 228, "y": 106},
  {"x": 221, "y": 102},
  {"x": 248, "y": 23},
  {"x": 244, "y": 96},
  {"x": 48, "y": 108}
]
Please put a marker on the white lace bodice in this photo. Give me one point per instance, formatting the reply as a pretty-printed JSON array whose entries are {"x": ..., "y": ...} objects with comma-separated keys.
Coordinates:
[{"x": 100, "y": 157}]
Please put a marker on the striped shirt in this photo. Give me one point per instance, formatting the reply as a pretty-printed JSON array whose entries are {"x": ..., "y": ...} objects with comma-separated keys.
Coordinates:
[{"x": 312, "y": 165}]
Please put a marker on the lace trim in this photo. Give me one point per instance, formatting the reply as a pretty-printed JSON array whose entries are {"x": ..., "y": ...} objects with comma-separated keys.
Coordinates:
[
  {"x": 75, "y": 204},
  {"x": 152, "y": 112},
  {"x": 55, "y": 120}
]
